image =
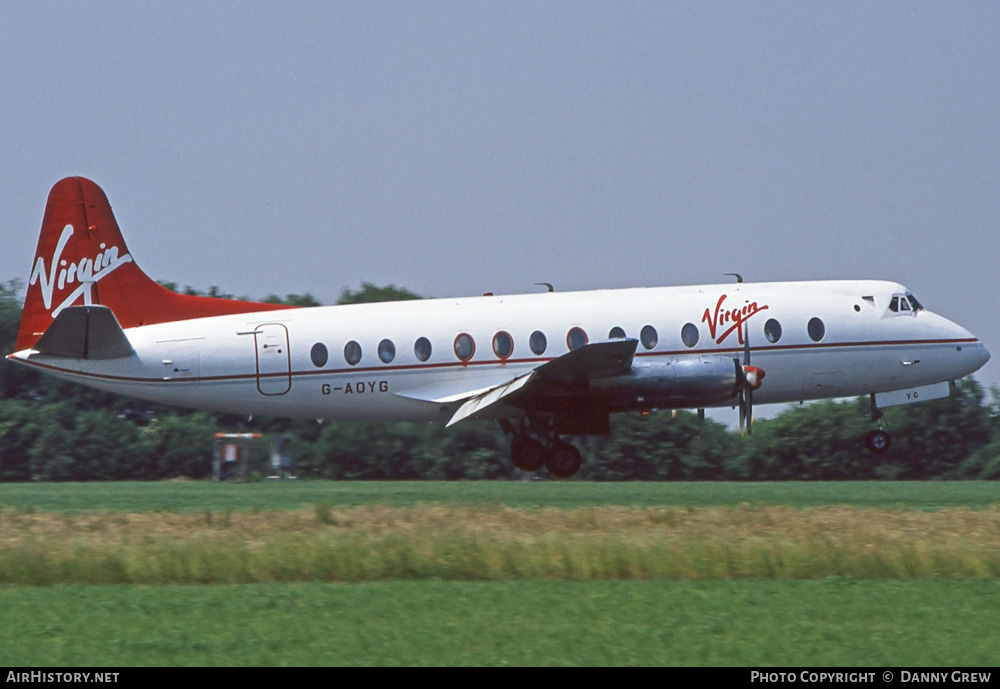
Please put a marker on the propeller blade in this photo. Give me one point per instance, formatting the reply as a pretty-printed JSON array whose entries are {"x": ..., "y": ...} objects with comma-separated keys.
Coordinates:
[
  {"x": 750, "y": 379},
  {"x": 746, "y": 345}
]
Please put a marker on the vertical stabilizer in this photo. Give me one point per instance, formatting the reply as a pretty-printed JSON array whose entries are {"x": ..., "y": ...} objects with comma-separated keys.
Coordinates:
[{"x": 82, "y": 259}]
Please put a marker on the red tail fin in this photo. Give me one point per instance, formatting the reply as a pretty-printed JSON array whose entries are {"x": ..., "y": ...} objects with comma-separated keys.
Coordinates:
[{"x": 82, "y": 259}]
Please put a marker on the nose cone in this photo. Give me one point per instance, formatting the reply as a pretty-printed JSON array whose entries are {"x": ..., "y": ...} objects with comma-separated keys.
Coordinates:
[
  {"x": 968, "y": 354},
  {"x": 972, "y": 352},
  {"x": 980, "y": 355}
]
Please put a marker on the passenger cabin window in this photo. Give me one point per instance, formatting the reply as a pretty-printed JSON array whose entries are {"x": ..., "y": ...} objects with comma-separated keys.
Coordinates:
[
  {"x": 465, "y": 346},
  {"x": 648, "y": 336},
  {"x": 616, "y": 334},
  {"x": 386, "y": 351},
  {"x": 537, "y": 342},
  {"x": 576, "y": 338},
  {"x": 422, "y": 348},
  {"x": 319, "y": 355},
  {"x": 352, "y": 353},
  {"x": 772, "y": 330},
  {"x": 689, "y": 334},
  {"x": 503, "y": 345},
  {"x": 816, "y": 329}
]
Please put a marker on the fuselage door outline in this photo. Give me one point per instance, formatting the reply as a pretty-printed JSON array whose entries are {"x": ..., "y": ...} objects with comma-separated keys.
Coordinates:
[{"x": 274, "y": 364}]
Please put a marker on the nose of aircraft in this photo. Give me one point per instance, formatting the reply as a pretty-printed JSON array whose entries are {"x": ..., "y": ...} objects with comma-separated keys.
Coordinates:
[
  {"x": 981, "y": 355},
  {"x": 972, "y": 354},
  {"x": 973, "y": 351}
]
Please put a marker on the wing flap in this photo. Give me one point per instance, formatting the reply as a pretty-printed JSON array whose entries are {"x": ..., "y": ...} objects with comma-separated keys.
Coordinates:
[
  {"x": 449, "y": 391},
  {"x": 489, "y": 398}
]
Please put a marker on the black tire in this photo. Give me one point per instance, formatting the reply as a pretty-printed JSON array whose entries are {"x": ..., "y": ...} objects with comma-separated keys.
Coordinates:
[
  {"x": 878, "y": 441},
  {"x": 527, "y": 454},
  {"x": 563, "y": 460}
]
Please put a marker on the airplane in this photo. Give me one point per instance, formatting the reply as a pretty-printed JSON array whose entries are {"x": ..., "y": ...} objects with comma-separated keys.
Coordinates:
[{"x": 543, "y": 365}]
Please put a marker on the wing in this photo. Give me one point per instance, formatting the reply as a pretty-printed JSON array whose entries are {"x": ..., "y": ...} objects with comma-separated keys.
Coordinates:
[{"x": 568, "y": 373}]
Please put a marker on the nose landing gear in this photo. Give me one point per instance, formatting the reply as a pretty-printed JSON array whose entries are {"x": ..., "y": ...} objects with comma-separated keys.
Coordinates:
[{"x": 878, "y": 441}]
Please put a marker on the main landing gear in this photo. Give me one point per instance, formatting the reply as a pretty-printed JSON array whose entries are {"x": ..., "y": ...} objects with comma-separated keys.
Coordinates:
[
  {"x": 529, "y": 453},
  {"x": 878, "y": 441}
]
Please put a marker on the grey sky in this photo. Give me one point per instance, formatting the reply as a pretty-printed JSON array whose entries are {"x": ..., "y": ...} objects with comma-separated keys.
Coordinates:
[{"x": 456, "y": 148}]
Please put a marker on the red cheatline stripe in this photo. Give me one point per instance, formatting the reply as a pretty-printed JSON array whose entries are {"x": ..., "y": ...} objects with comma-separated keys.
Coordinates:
[{"x": 492, "y": 362}]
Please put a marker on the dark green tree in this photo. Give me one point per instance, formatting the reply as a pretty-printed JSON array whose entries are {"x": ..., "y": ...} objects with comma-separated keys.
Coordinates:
[
  {"x": 658, "y": 447},
  {"x": 370, "y": 292},
  {"x": 933, "y": 439}
]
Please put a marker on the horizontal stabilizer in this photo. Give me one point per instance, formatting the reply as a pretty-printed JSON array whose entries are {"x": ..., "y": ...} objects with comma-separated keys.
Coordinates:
[{"x": 84, "y": 332}]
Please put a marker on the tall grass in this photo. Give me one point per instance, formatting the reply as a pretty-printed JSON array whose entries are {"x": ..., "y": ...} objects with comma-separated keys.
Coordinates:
[{"x": 496, "y": 543}]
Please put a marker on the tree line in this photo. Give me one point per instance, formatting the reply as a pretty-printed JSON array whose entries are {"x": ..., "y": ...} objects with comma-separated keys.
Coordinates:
[{"x": 56, "y": 431}]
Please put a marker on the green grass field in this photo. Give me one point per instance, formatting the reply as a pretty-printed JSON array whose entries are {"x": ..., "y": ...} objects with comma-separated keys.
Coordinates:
[
  {"x": 200, "y": 496},
  {"x": 745, "y": 623},
  {"x": 540, "y": 573}
]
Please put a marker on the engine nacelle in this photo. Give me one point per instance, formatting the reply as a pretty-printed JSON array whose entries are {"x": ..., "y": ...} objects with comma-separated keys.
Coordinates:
[{"x": 675, "y": 383}]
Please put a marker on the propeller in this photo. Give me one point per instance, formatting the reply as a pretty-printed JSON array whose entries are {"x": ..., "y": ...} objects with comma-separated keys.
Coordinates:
[{"x": 753, "y": 377}]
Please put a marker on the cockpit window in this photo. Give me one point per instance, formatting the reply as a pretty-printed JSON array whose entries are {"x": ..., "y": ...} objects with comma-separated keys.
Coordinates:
[{"x": 904, "y": 303}]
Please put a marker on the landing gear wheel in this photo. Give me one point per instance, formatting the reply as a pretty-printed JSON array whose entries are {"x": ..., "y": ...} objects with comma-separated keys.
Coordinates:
[
  {"x": 878, "y": 441},
  {"x": 527, "y": 454},
  {"x": 562, "y": 460}
]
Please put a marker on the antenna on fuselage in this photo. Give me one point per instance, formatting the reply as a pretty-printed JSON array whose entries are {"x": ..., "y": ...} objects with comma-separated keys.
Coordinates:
[
  {"x": 739, "y": 278},
  {"x": 547, "y": 285}
]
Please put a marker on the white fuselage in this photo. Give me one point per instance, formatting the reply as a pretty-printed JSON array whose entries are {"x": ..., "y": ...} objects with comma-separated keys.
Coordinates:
[{"x": 273, "y": 363}]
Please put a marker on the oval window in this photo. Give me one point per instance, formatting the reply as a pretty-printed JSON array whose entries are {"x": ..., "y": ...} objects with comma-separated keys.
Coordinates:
[
  {"x": 648, "y": 336},
  {"x": 319, "y": 355},
  {"x": 503, "y": 344},
  {"x": 616, "y": 334},
  {"x": 386, "y": 351},
  {"x": 576, "y": 338},
  {"x": 465, "y": 346},
  {"x": 422, "y": 348},
  {"x": 537, "y": 342},
  {"x": 816, "y": 329},
  {"x": 772, "y": 330},
  {"x": 689, "y": 334},
  {"x": 352, "y": 353}
]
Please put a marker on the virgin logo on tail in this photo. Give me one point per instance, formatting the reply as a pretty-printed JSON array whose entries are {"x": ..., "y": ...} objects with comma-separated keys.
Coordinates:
[{"x": 86, "y": 272}]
